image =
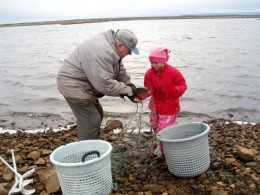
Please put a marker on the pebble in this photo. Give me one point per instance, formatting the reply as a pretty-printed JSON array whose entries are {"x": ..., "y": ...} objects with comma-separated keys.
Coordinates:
[{"x": 136, "y": 172}]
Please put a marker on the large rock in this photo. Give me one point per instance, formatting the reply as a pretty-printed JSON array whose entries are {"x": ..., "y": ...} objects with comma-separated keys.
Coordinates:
[
  {"x": 245, "y": 154},
  {"x": 49, "y": 178},
  {"x": 34, "y": 155},
  {"x": 8, "y": 175},
  {"x": 154, "y": 188},
  {"x": 3, "y": 191},
  {"x": 113, "y": 124}
]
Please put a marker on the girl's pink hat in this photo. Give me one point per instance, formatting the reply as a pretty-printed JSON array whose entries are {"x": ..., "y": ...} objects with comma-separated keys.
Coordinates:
[{"x": 159, "y": 54}]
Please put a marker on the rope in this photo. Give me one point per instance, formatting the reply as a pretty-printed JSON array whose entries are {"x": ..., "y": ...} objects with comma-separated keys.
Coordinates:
[{"x": 120, "y": 155}]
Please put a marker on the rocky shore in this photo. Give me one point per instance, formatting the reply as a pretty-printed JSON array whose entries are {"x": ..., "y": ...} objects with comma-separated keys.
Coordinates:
[{"x": 234, "y": 156}]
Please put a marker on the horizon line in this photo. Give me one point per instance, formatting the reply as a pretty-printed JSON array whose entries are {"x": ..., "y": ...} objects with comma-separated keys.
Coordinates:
[{"x": 94, "y": 20}]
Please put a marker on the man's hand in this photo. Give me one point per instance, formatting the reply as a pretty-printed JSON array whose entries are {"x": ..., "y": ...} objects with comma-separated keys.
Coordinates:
[
  {"x": 134, "y": 90},
  {"x": 132, "y": 98}
]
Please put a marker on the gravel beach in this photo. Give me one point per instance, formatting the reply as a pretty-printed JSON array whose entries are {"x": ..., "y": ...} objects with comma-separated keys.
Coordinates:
[{"x": 234, "y": 161}]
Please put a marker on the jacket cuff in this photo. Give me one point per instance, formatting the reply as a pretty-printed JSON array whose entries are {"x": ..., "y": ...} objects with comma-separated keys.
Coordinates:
[{"x": 128, "y": 91}]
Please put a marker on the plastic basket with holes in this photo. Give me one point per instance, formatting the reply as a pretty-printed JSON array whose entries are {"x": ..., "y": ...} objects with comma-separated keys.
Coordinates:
[
  {"x": 84, "y": 167},
  {"x": 186, "y": 148}
]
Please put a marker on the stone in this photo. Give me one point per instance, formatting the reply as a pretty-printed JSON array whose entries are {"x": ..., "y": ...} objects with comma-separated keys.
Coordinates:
[
  {"x": 113, "y": 124},
  {"x": 218, "y": 192},
  {"x": 245, "y": 154},
  {"x": 251, "y": 164},
  {"x": 255, "y": 178},
  {"x": 154, "y": 188},
  {"x": 3, "y": 191},
  {"x": 40, "y": 161},
  {"x": 136, "y": 171},
  {"x": 8, "y": 175},
  {"x": 46, "y": 152},
  {"x": 230, "y": 160},
  {"x": 50, "y": 180},
  {"x": 44, "y": 193},
  {"x": 34, "y": 155}
]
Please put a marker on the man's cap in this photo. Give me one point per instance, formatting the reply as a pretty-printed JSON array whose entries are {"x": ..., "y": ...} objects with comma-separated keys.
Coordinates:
[{"x": 129, "y": 39}]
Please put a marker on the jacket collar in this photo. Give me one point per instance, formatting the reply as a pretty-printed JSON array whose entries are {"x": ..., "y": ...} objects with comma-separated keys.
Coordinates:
[{"x": 110, "y": 36}]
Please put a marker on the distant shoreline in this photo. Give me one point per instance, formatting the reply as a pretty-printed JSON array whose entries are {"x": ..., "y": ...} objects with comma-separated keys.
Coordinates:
[{"x": 95, "y": 20}]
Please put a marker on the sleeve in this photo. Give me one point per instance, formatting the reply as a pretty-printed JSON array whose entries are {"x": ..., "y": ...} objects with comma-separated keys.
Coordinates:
[
  {"x": 143, "y": 96},
  {"x": 148, "y": 82},
  {"x": 122, "y": 75},
  {"x": 180, "y": 85},
  {"x": 101, "y": 74}
]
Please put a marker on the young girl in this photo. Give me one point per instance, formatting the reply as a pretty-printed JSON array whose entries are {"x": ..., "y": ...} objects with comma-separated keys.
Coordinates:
[{"x": 166, "y": 85}]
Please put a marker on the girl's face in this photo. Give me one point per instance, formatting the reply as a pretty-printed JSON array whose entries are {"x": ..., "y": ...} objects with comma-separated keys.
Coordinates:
[{"x": 157, "y": 65}]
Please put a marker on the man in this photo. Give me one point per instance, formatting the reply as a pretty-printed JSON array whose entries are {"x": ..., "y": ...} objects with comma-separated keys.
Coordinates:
[{"x": 95, "y": 69}]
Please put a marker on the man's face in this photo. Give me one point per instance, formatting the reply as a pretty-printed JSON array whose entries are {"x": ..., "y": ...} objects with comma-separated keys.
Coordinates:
[{"x": 123, "y": 51}]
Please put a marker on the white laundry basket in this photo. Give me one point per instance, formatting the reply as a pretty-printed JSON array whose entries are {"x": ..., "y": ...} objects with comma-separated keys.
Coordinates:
[
  {"x": 93, "y": 176},
  {"x": 186, "y": 148}
]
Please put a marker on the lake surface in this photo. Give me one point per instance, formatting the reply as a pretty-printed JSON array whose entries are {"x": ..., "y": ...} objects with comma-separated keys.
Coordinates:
[{"x": 218, "y": 57}]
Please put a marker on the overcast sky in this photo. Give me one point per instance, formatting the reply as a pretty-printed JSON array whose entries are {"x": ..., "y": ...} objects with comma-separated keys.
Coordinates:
[{"x": 13, "y": 11}]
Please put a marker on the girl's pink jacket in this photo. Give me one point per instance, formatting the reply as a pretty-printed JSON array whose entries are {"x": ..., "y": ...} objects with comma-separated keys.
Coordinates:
[{"x": 166, "y": 86}]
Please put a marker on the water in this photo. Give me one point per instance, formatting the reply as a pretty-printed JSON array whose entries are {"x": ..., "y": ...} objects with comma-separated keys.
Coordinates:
[{"x": 218, "y": 57}]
